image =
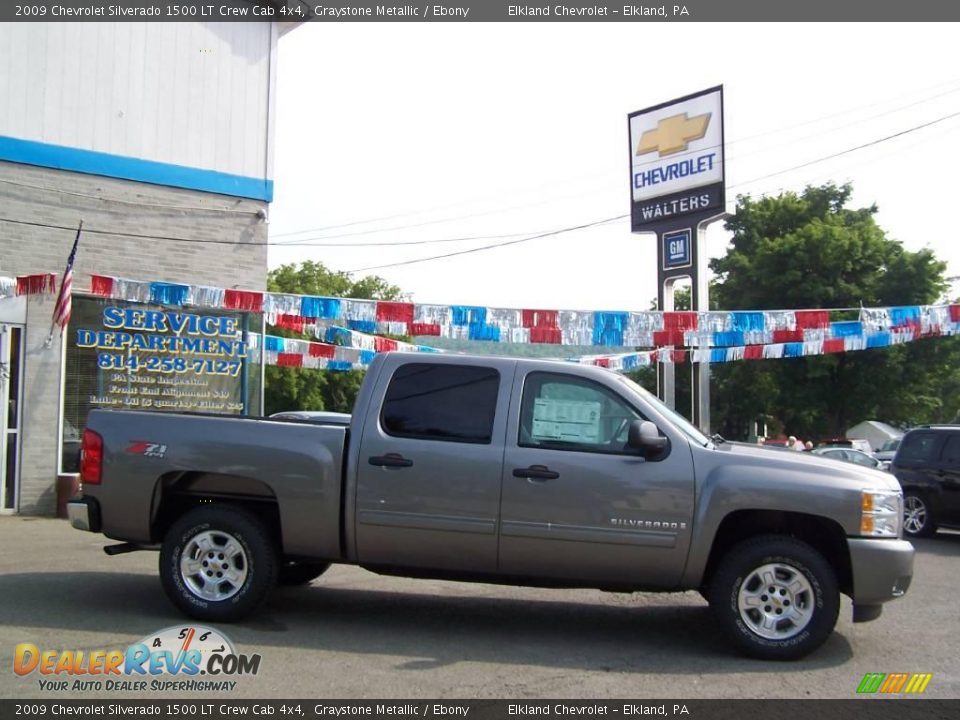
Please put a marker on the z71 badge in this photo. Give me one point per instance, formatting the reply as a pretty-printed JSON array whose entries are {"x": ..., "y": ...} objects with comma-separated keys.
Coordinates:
[{"x": 147, "y": 449}]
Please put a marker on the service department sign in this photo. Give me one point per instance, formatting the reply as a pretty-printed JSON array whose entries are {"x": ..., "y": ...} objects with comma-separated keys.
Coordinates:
[{"x": 676, "y": 159}]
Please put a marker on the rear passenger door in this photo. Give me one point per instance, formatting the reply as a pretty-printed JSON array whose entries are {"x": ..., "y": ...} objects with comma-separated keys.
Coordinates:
[{"x": 428, "y": 474}]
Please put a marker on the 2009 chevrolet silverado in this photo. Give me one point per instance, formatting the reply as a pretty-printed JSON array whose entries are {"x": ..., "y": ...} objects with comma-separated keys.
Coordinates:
[{"x": 498, "y": 470}]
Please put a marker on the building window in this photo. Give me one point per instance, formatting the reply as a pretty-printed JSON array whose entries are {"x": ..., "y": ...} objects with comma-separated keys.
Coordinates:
[{"x": 131, "y": 356}]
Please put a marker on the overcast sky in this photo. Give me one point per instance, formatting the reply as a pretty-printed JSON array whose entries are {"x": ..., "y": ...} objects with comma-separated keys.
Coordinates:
[{"x": 402, "y": 132}]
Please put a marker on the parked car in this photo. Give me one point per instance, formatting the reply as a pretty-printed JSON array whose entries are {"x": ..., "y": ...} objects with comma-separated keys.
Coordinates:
[
  {"x": 855, "y": 444},
  {"x": 850, "y": 455},
  {"x": 887, "y": 450},
  {"x": 315, "y": 416},
  {"x": 927, "y": 464}
]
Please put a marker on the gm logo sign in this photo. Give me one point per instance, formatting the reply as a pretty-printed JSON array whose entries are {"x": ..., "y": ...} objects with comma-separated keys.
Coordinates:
[
  {"x": 676, "y": 251},
  {"x": 893, "y": 683}
]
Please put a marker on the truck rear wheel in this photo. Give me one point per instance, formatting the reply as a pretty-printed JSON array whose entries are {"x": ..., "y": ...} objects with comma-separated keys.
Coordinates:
[
  {"x": 775, "y": 597},
  {"x": 218, "y": 563}
]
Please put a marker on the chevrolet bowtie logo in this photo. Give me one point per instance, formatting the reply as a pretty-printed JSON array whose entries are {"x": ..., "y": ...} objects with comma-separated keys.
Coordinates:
[{"x": 673, "y": 134}]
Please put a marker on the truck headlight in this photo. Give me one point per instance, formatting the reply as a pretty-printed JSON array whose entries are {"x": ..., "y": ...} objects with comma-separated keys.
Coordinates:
[{"x": 881, "y": 513}]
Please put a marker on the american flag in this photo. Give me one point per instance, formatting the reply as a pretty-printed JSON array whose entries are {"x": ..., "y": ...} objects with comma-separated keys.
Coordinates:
[{"x": 61, "y": 311}]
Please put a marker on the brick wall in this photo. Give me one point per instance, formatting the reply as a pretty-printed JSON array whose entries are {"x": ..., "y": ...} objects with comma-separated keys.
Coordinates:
[{"x": 52, "y": 197}]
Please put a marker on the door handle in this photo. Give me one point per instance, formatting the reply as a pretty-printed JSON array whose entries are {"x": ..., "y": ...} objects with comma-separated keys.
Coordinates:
[
  {"x": 390, "y": 460},
  {"x": 536, "y": 472}
]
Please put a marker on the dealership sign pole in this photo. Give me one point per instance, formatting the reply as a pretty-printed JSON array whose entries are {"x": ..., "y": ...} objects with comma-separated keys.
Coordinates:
[{"x": 677, "y": 189}]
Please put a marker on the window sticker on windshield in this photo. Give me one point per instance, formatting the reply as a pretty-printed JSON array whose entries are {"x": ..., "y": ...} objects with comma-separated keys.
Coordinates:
[{"x": 566, "y": 420}]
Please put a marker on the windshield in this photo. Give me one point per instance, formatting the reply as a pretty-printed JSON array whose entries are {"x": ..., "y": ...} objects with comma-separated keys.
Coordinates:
[{"x": 679, "y": 420}]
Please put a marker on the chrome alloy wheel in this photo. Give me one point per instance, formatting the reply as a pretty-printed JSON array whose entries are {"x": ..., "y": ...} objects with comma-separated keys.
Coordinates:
[
  {"x": 776, "y": 601},
  {"x": 914, "y": 515},
  {"x": 214, "y": 565}
]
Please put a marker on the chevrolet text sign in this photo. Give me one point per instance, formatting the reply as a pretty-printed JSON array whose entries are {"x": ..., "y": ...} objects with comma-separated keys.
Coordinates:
[{"x": 676, "y": 159}]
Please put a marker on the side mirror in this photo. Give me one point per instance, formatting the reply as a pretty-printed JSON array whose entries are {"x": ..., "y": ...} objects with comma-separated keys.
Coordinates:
[{"x": 643, "y": 435}]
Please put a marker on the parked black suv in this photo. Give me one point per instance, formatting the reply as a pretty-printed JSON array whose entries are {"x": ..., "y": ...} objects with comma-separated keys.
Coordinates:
[{"x": 927, "y": 464}]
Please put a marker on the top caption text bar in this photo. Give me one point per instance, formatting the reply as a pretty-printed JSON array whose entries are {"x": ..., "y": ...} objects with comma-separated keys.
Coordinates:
[{"x": 482, "y": 11}]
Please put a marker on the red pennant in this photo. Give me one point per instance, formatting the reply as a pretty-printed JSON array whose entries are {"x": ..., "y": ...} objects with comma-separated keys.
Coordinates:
[
  {"x": 395, "y": 312},
  {"x": 539, "y": 318},
  {"x": 681, "y": 321},
  {"x": 812, "y": 319},
  {"x": 289, "y": 360},
  {"x": 101, "y": 285},
  {"x": 243, "y": 300},
  {"x": 382, "y": 344},
  {"x": 321, "y": 350},
  {"x": 424, "y": 329}
]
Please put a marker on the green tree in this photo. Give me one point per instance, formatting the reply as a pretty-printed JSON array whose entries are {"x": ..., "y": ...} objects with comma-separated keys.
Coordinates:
[
  {"x": 306, "y": 389},
  {"x": 812, "y": 251}
]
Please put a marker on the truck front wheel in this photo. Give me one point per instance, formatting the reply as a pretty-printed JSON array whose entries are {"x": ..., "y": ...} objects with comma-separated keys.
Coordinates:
[
  {"x": 218, "y": 563},
  {"x": 775, "y": 597}
]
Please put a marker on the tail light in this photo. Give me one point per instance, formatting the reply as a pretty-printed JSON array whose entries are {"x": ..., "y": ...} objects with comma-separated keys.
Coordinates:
[{"x": 91, "y": 458}]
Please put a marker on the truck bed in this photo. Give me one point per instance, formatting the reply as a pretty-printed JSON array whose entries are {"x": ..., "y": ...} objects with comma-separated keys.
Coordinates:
[{"x": 297, "y": 465}]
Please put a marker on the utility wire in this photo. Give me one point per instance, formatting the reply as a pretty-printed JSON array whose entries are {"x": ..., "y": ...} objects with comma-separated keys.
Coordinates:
[
  {"x": 91, "y": 231},
  {"x": 680, "y": 155},
  {"x": 621, "y": 217},
  {"x": 850, "y": 150},
  {"x": 493, "y": 245}
]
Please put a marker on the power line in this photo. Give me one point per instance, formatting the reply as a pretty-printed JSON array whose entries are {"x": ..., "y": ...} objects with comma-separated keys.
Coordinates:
[
  {"x": 92, "y": 231},
  {"x": 492, "y": 246},
  {"x": 485, "y": 247},
  {"x": 621, "y": 217},
  {"x": 850, "y": 150},
  {"x": 728, "y": 143}
]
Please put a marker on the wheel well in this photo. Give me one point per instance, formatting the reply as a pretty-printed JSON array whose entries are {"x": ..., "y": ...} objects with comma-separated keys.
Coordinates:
[
  {"x": 178, "y": 493},
  {"x": 824, "y": 535}
]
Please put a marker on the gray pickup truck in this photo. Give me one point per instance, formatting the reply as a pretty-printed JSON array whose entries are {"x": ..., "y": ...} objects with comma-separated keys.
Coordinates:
[{"x": 498, "y": 470}]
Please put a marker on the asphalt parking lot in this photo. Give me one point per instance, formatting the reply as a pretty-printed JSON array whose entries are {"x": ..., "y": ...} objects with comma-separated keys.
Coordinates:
[{"x": 353, "y": 634}]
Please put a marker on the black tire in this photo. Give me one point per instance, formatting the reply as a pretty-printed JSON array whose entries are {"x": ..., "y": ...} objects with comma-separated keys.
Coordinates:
[
  {"x": 918, "y": 518},
  {"x": 801, "y": 612},
  {"x": 300, "y": 573},
  {"x": 236, "y": 545}
]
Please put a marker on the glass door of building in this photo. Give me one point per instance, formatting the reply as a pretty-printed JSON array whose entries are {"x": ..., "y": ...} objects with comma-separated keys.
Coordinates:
[{"x": 11, "y": 366}]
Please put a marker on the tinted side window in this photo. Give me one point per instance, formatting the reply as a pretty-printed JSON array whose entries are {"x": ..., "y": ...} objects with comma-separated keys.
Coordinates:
[
  {"x": 441, "y": 402},
  {"x": 562, "y": 412},
  {"x": 951, "y": 450},
  {"x": 917, "y": 449}
]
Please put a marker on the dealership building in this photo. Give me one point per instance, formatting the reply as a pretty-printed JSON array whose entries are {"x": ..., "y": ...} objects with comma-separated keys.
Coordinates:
[{"x": 158, "y": 137}]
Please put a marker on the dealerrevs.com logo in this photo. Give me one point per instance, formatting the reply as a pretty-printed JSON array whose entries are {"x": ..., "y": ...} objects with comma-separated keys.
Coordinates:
[
  {"x": 179, "y": 658},
  {"x": 894, "y": 683}
]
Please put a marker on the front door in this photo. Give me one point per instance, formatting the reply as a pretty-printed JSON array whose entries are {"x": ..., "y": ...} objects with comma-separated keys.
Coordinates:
[
  {"x": 579, "y": 504},
  {"x": 428, "y": 473},
  {"x": 11, "y": 365}
]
